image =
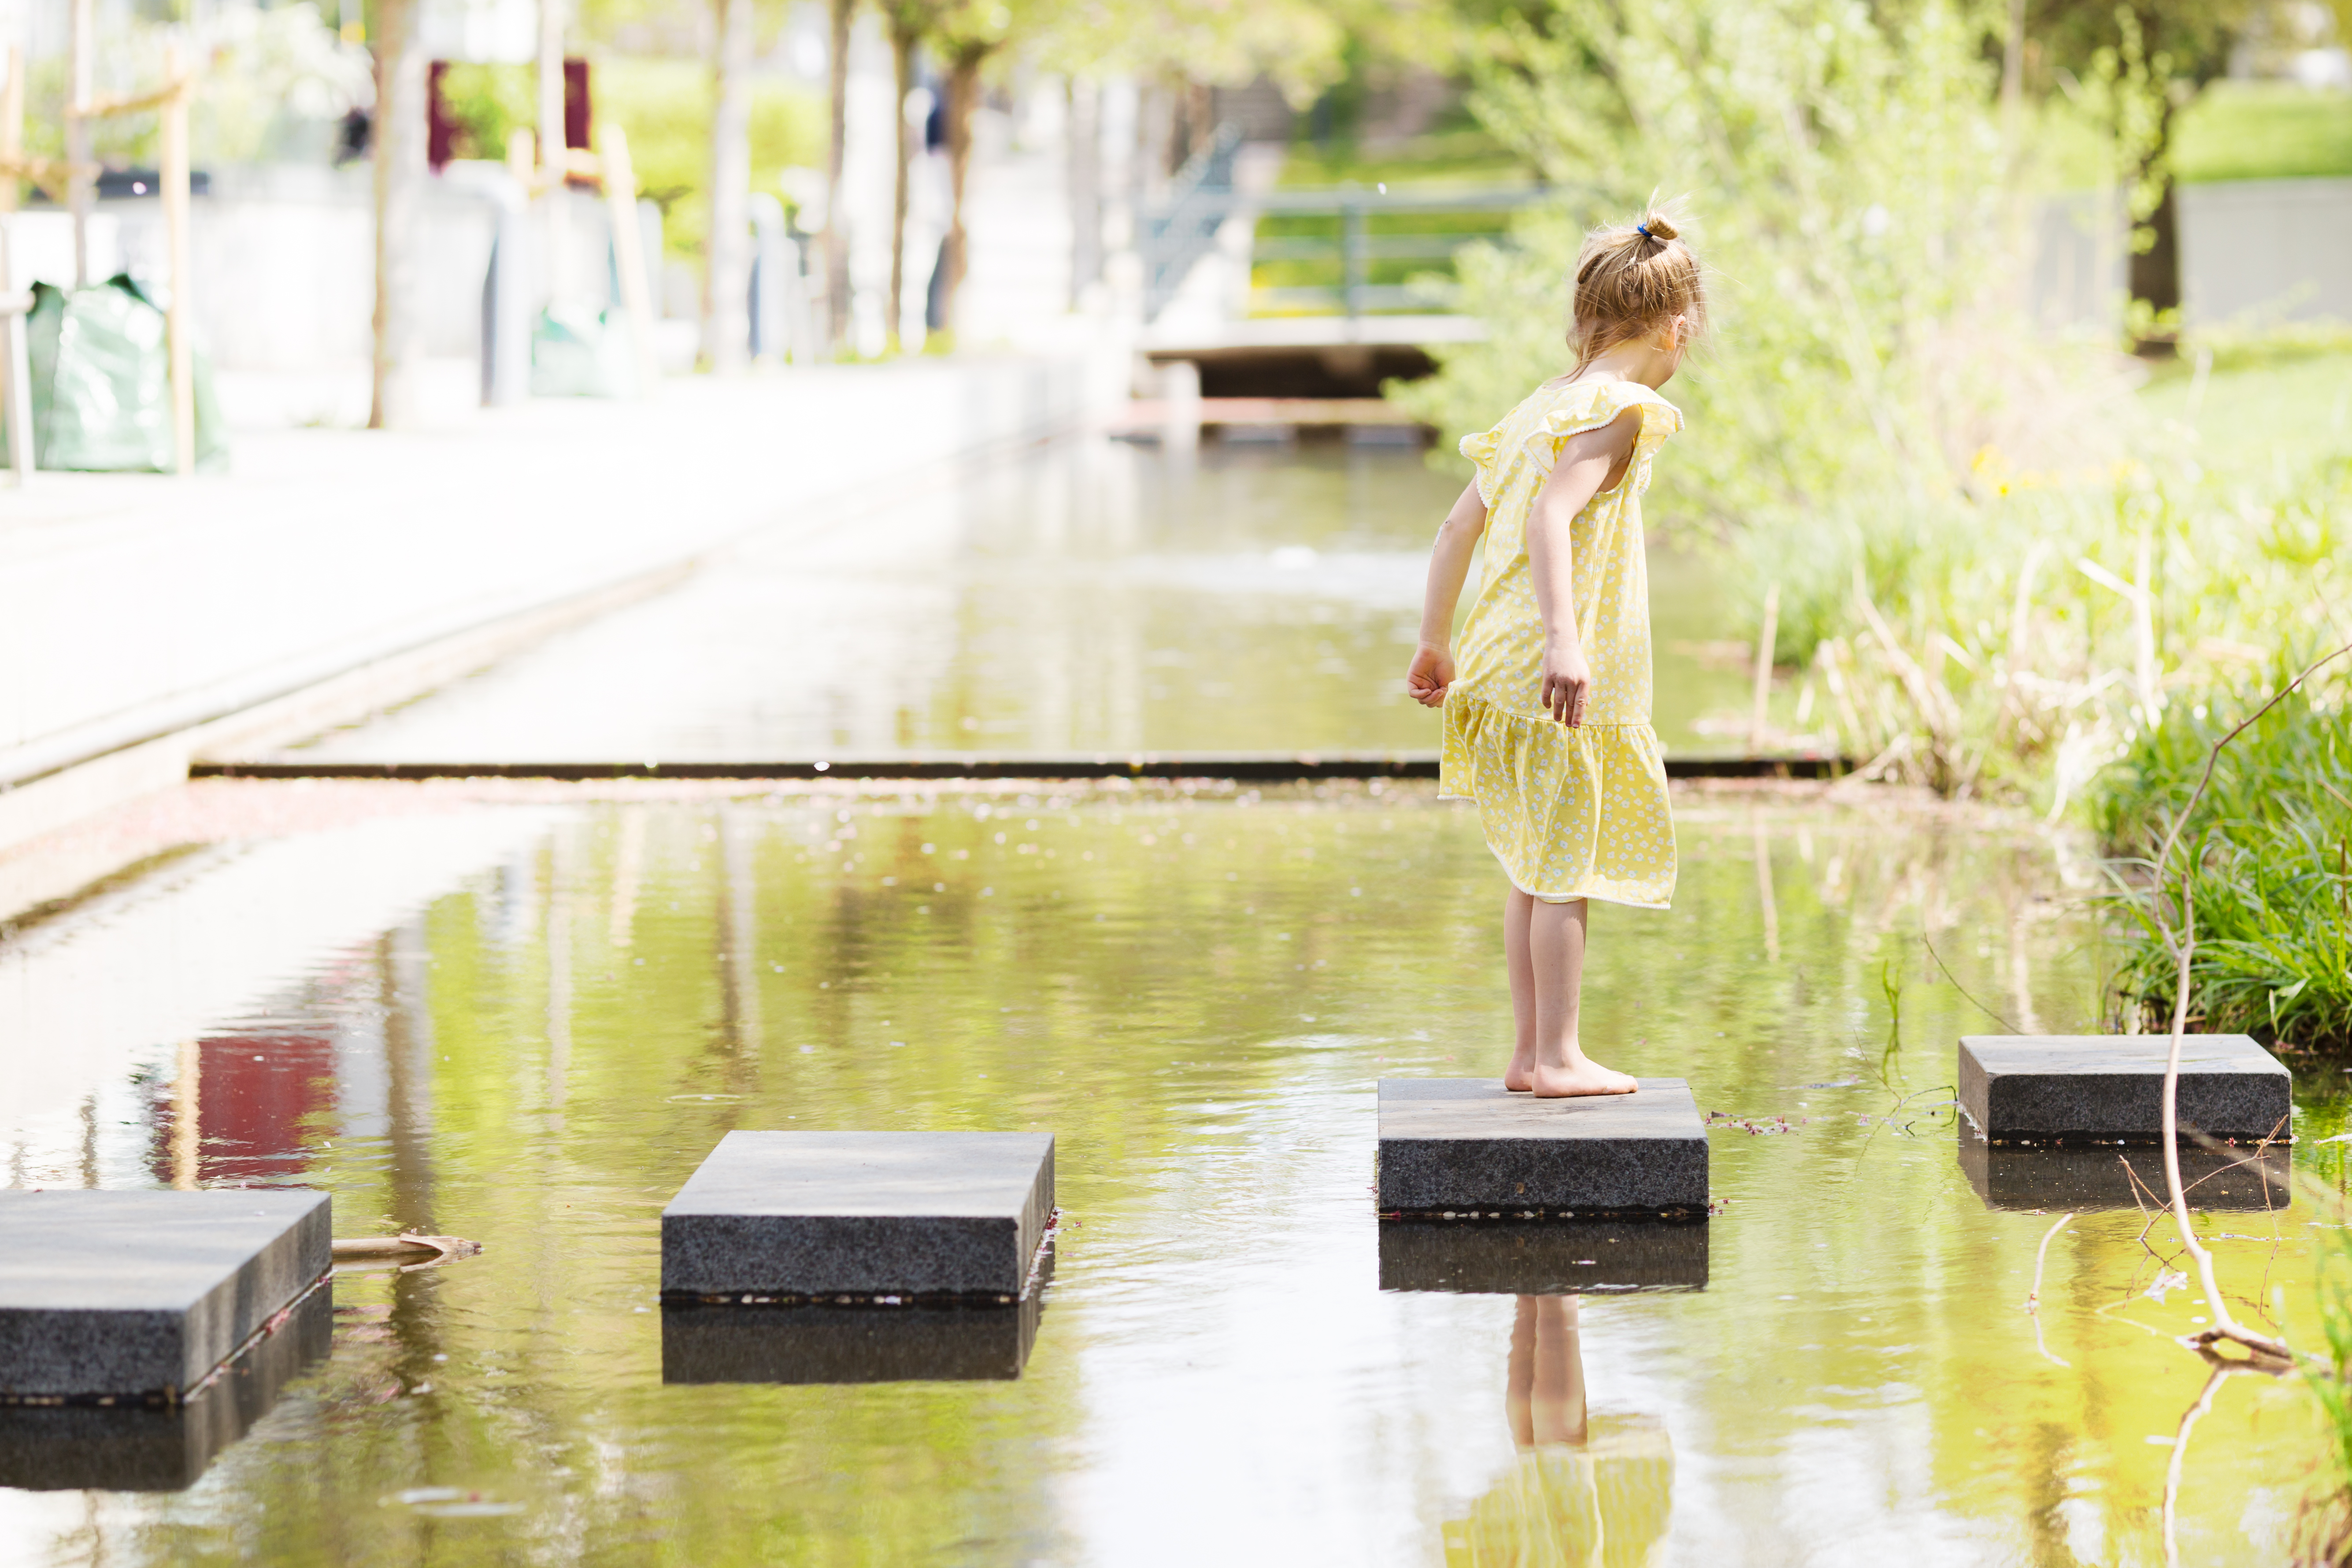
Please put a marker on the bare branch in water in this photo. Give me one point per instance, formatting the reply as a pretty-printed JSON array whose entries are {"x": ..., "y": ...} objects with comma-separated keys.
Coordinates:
[
  {"x": 2182, "y": 942},
  {"x": 2033, "y": 1300},
  {"x": 1955, "y": 979}
]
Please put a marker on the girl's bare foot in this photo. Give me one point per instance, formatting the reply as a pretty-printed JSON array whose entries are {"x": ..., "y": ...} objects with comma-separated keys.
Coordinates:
[
  {"x": 1520, "y": 1077},
  {"x": 1587, "y": 1077}
]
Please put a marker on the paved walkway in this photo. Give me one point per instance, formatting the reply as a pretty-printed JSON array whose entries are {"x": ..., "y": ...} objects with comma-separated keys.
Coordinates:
[{"x": 135, "y": 606}]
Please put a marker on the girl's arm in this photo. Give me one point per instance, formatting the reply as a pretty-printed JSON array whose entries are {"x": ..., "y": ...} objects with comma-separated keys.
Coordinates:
[
  {"x": 1588, "y": 460},
  {"x": 1431, "y": 670}
]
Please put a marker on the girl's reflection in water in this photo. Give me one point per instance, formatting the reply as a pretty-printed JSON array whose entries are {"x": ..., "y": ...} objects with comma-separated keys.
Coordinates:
[{"x": 1583, "y": 1488}]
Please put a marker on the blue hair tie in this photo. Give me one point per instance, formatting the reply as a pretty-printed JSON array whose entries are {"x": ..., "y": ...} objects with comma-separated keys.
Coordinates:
[{"x": 1643, "y": 230}]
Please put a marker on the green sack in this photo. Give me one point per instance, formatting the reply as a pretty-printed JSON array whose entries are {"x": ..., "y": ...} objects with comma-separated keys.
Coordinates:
[
  {"x": 102, "y": 383},
  {"x": 577, "y": 352}
]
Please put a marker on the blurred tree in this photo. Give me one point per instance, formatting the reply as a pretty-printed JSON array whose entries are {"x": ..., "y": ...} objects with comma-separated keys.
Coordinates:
[
  {"x": 726, "y": 255},
  {"x": 2145, "y": 61},
  {"x": 401, "y": 175},
  {"x": 967, "y": 34},
  {"x": 910, "y": 22},
  {"x": 840, "y": 14},
  {"x": 1843, "y": 183}
]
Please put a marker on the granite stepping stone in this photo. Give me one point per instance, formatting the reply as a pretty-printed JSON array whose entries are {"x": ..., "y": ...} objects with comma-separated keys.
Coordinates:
[
  {"x": 2042, "y": 1089},
  {"x": 1542, "y": 1258},
  {"x": 136, "y": 1448},
  {"x": 140, "y": 1295},
  {"x": 1468, "y": 1146},
  {"x": 2088, "y": 1177},
  {"x": 797, "y": 1215}
]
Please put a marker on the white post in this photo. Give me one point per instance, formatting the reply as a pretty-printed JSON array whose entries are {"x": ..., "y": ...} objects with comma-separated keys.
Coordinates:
[
  {"x": 81, "y": 67},
  {"x": 629, "y": 254},
  {"x": 554, "y": 156},
  {"x": 174, "y": 176}
]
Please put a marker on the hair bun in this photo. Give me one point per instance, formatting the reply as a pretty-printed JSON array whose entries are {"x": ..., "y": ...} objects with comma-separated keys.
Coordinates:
[{"x": 1662, "y": 228}]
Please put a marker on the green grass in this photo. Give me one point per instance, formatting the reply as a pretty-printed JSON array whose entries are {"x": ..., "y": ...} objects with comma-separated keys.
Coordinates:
[
  {"x": 2264, "y": 130},
  {"x": 2265, "y": 401},
  {"x": 2269, "y": 857},
  {"x": 1462, "y": 158}
]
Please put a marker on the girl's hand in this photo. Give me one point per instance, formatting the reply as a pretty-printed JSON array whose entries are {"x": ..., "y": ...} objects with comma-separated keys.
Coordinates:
[
  {"x": 1567, "y": 682},
  {"x": 1429, "y": 674}
]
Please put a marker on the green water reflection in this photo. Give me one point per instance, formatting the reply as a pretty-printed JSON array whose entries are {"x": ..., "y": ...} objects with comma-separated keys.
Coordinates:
[
  {"x": 1090, "y": 595},
  {"x": 1195, "y": 994}
]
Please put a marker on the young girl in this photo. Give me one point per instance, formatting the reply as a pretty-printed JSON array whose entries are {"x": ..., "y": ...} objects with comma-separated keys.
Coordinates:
[{"x": 1548, "y": 720}]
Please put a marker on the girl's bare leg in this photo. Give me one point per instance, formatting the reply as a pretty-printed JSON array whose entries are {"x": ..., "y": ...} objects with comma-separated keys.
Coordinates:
[
  {"x": 1556, "y": 1392},
  {"x": 1518, "y": 908},
  {"x": 1556, "y": 955},
  {"x": 1519, "y": 1408}
]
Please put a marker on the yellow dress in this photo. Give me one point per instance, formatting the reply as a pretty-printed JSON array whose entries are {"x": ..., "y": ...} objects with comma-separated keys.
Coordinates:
[
  {"x": 1606, "y": 1503},
  {"x": 1580, "y": 813}
]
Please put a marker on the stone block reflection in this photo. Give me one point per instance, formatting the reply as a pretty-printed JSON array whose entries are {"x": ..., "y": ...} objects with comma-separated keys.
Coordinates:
[
  {"x": 2107, "y": 1176},
  {"x": 134, "y": 1448},
  {"x": 1542, "y": 1256},
  {"x": 1583, "y": 1486},
  {"x": 837, "y": 1344}
]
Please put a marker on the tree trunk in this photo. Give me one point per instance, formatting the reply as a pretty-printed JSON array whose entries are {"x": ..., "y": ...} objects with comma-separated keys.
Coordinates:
[
  {"x": 727, "y": 256},
  {"x": 836, "y": 232},
  {"x": 400, "y": 175},
  {"x": 903, "y": 39},
  {"x": 963, "y": 99},
  {"x": 1086, "y": 189},
  {"x": 2155, "y": 274}
]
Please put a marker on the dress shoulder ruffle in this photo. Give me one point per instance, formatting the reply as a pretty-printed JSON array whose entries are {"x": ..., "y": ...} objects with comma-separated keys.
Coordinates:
[
  {"x": 1484, "y": 450},
  {"x": 1588, "y": 406}
]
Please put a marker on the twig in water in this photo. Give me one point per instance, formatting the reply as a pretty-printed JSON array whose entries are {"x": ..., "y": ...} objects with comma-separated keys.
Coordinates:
[
  {"x": 2041, "y": 1256},
  {"x": 1956, "y": 981},
  {"x": 407, "y": 1250},
  {"x": 2183, "y": 945},
  {"x": 2033, "y": 1300},
  {"x": 2181, "y": 1451}
]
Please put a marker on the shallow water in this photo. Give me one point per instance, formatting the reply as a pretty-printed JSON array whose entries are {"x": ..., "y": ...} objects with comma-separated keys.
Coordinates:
[
  {"x": 524, "y": 1017},
  {"x": 1089, "y": 596},
  {"x": 524, "y": 1014}
]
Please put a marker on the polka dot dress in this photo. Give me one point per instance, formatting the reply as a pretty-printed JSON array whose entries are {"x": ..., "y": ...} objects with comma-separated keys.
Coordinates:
[{"x": 1581, "y": 813}]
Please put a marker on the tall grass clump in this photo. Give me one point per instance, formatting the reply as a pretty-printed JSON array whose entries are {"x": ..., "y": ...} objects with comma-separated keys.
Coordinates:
[{"x": 2267, "y": 856}]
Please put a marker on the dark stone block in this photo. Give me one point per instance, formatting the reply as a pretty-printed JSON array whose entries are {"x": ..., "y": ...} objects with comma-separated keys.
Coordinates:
[
  {"x": 800, "y": 1215},
  {"x": 1543, "y": 1258},
  {"x": 2087, "y": 1177},
  {"x": 1469, "y": 1145},
  {"x": 142, "y": 1294},
  {"x": 2039, "y": 1088},
  {"x": 139, "y": 1449}
]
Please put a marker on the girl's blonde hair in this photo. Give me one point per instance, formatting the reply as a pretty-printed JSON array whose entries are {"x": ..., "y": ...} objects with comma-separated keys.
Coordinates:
[{"x": 1631, "y": 280}]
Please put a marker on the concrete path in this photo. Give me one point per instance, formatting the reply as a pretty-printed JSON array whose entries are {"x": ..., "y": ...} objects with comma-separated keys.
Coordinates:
[{"x": 137, "y": 607}]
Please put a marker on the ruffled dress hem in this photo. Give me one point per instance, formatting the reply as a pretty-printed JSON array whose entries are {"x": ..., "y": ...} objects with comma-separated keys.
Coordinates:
[{"x": 1560, "y": 784}]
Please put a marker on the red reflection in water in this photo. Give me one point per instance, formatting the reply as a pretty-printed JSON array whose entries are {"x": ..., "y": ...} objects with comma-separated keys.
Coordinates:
[{"x": 253, "y": 1092}]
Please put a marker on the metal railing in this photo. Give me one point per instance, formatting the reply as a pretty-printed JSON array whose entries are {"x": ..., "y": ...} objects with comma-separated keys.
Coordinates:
[{"x": 1350, "y": 251}]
